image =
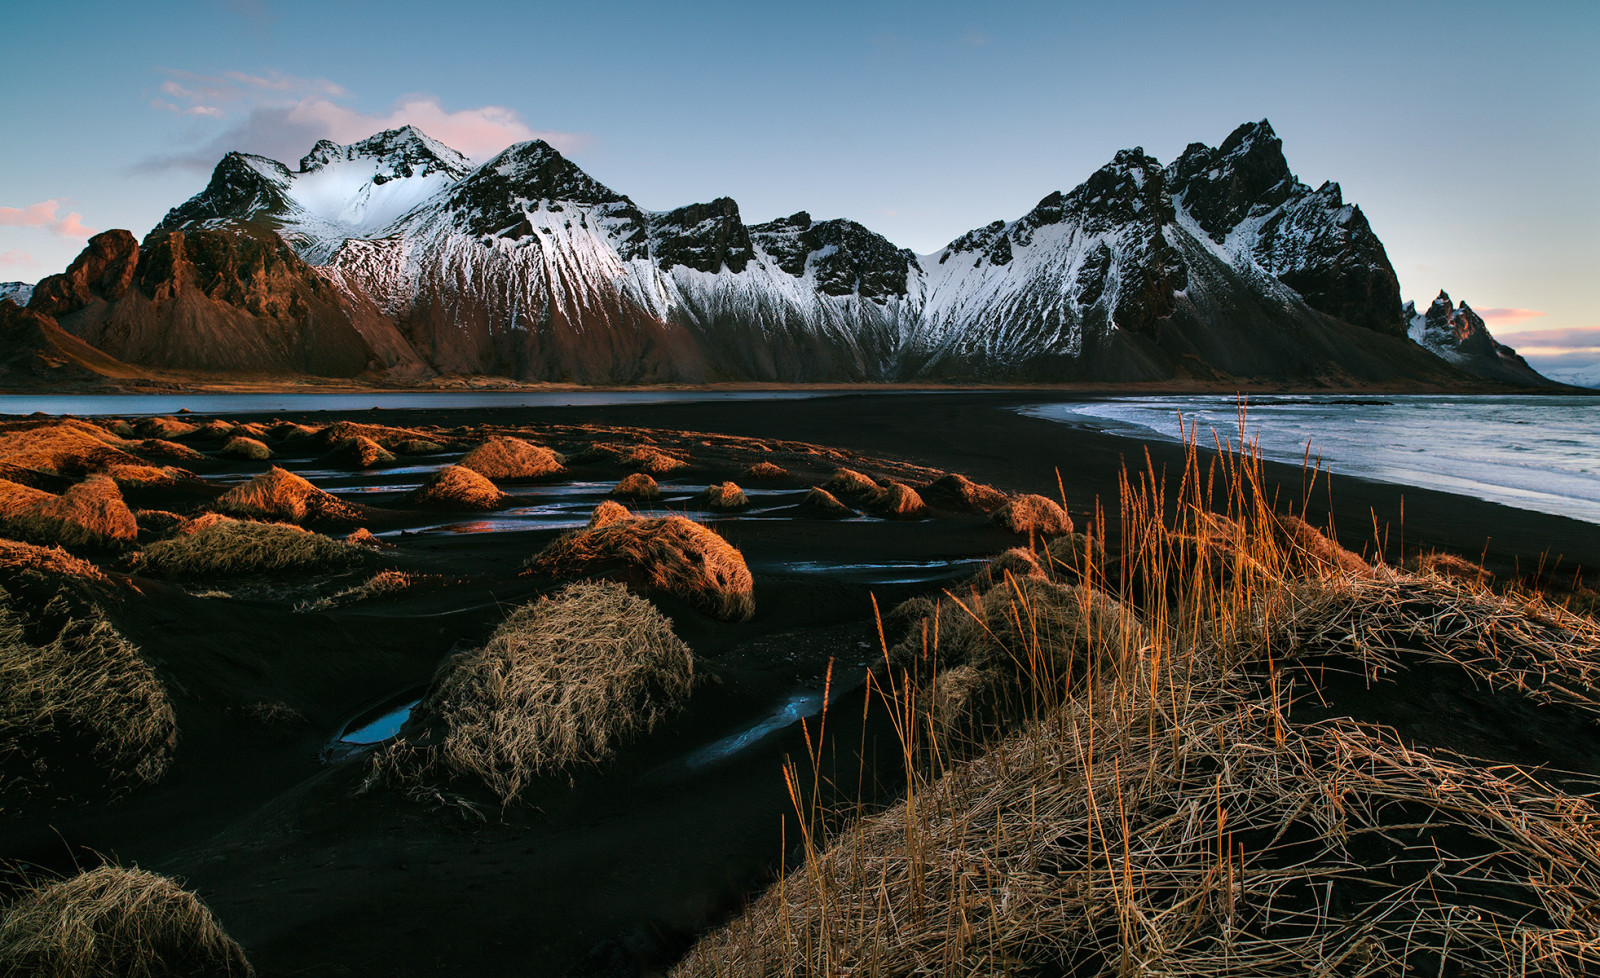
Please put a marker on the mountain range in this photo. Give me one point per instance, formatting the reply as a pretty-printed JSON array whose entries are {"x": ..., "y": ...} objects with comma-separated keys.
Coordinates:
[{"x": 396, "y": 258}]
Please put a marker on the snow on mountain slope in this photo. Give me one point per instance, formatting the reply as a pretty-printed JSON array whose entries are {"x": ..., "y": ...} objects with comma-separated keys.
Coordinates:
[
  {"x": 1460, "y": 336},
  {"x": 339, "y": 192},
  {"x": 1220, "y": 264},
  {"x": 17, "y": 292}
]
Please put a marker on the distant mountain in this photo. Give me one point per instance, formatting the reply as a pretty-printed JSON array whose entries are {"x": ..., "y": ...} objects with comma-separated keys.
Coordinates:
[
  {"x": 1459, "y": 335},
  {"x": 17, "y": 293},
  {"x": 395, "y": 256}
]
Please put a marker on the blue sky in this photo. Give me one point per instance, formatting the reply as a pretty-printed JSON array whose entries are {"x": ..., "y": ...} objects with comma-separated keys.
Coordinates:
[{"x": 1468, "y": 132}]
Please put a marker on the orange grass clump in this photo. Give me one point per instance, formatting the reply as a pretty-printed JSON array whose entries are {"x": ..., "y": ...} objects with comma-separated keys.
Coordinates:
[
  {"x": 960, "y": 494},
  {"x": 1034, "y": 516},
  {"x": 90, "y": 513},
  {"x": 636, "y": 486},
  {"x": 240, "y": 446},
  {"x": 897, "y": 501},
  {"x": 652, "y": 461},
  {"x": 280, "y": 494},
  {"x": 69, "y": 448},
  {"x": 766, "y": 470},
  {"x": 457, "y": 487},
  {"x": 672, "y": 554},
  {"x": 849, "y": 482},
  {"x": 163, "y": 428},
  {"x": 821, "y": 502},
  {"x": 608, "y": 513},
  {"x": 503, "y": 457},
  {"x": 724, "y": 497},
  {"x": 361, "y": 452},
  {"x": 214, "y": 545}
]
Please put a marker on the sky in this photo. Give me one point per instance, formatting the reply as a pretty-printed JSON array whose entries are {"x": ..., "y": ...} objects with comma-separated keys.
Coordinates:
[{"x": 1468, "y": 132}]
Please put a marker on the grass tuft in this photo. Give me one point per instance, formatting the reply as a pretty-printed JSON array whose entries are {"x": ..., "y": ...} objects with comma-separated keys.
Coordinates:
[
  {"x": 724, "y": 497},
  {"x": 957, "y": 493},
  {"x": 115, "y": 921},
  {"x": 504, "y": 457},
  {"x": 457, "y": 487},
  {"x": 280, "y": 494},
  {"x": 218, "y": 545},
  {"x": 561, "y": 683},
  {"x": 240, "y": 446},
  {"x": 766, "y": 470},
  {"x": 90, "y": 513},
  {"x": 608, "y": 513},
  {"x": 636, "y": 486},
  {"x": 1033, "y": 515},
  {"x": 671, "y": 554}
]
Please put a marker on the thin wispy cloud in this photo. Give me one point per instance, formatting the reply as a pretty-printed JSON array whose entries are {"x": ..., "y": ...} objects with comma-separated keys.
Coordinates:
[
  {"x": 1507, "y": 317},
  {"x": 1569, "y": 340},
  {"x": 46, "y": 215},
  {"x": 281, "y": 116},
  {"x": 18, "y": 261}
]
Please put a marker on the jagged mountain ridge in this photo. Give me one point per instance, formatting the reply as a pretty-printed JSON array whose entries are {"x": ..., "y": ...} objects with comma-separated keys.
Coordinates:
[
  {"x": 1219, "y": 264},
  {"x": 1459, "y": 335}
]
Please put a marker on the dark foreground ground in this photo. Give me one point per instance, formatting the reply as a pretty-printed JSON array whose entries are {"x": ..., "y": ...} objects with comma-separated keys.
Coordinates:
[{"x": 612, "y": 871}]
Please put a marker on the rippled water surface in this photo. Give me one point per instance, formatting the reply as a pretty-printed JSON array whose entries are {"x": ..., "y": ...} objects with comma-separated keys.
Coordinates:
[{"x": 1538, "y": 453}]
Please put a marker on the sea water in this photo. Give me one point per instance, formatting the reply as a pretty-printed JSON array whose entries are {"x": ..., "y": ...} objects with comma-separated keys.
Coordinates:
[{"x": 1534, "y": 452}]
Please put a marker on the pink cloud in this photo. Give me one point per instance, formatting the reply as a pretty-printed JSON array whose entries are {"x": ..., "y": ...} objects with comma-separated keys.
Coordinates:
[
  {"x": 43, "y": 215},
  {"x": 1507, "y": 317},
  {"x": 18, "y": 259},
  {"x": 477, "y": 132},
  {"x": 1568, "y": 340}
]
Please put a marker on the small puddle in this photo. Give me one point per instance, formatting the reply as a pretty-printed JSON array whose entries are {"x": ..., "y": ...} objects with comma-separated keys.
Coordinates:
[
  {"x": 799, "y": 705},
  {"x": 885, "y": 572},
  {"x": 380, "y": 724}
]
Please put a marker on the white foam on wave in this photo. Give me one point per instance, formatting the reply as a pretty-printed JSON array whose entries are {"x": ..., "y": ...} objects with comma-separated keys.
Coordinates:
[{"x": 1532, "y": 452}]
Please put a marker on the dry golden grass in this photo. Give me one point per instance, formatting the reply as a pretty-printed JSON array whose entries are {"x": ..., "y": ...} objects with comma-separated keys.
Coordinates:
[
  {"x": 636, "y": 486},
  {"x": 671, "y": 554},
  {"x": 247, "y": 448},
  {"x": 1454, "y": 567},
  {"x": 608, "y": 513},
  {"x": 291, "y": 432},
  {"x": 27, "y": 563},
  {"x": 384, "y": 435},
  {"x": 418, "y": 446},
  {"x": 457, "y": 487},
  {"x": 848, "y": 482},
  {"x": 1311, "y": 552},
  {"x": 724, "y": 497},
  {"x": 169, "y": 449},
  {"x": 69, "y": 448},
  {"x": 360, "y": 452},
  {"x": 137, "y": 476},
  {"x": 73, "y": 690},
  {"x": 821, "y": 502},
  {"x": 380, "y": 585},
  {"x": 365, "y": 537},
  {"x": 164, "y": 428},
  {"x": 652, "y": 461},
  {"x": 503, "y": 457},
  {"x": 1016, "y": 562},
  {"x": 1161, "y": 812},
  {"x": 561, "y": 683},
  {"x": 115, "y": 921},
  {"x": 766, "y": 470},
  {"x": 215, "y": 545},
  {"x": 1034, "y": 515},
  {"x": 960, "y": 494},
  {"x": 897, "y": 501},
  {"x": 90, "y": 513},
  {"x": 280, "y": 494},
  {"x": 214, "y": 430},
  {"x": 253, "y": 429}
]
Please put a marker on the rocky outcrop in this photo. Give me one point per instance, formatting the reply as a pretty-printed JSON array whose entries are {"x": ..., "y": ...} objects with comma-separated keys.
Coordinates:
[
  {"x": 1460, "y": 336},
  {"x": 35, "y": 351},
  {"x": 231, "y": 300}
]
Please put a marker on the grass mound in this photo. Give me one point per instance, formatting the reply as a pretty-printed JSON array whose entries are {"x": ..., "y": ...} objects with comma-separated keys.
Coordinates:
[
  {"x": 214, "y": 430},
  {"x": 897, "y": 501},
  {"x": 608, "y": 513},
  {"x": 280, "y": 494},
  {"x": 957, "y": 493},
  {"x": 68, "y": 448},
  {"x": 503, "y": 457},
  {"x": 724, "y": 497},
  {"x": 671, "y": 554},
  {"x": 1034, "y": 515},
  {"x": 215, "y": 545},
  {"x": 139, "y": 476},
  {"x": 1310, "y": 551},
  {"x": 652, "y": 461},
  {"x": 418, "y": 446},
  {"x": 1454, "y": 567},
  {"x": 385, "y": 435},
  {"x": 165, "y": 428},
  {"x": 766, "y": 470},
  {"x": 849, "y": 482},
  {"x": 115, "y": 921},
  {"x": 637, "y": 486},
  {"x": 169, "y": 449},
  {"x": 359, "y": 452},
  {"x": 74, "y": 693},
  {"x": 91, "y": 513},
  {"x": 457, "y": 487},
  {"x": 240, "y": 446},
  {"x": 561, "y": 683},
  {"x": 821, "y": 502}
]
